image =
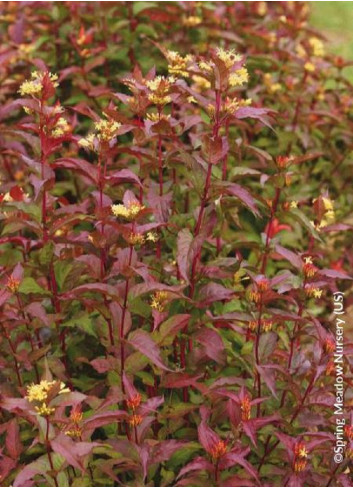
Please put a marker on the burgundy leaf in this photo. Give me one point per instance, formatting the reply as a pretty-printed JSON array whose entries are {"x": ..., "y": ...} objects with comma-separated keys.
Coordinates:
[
  {"x": 199, "y": 463},
  {"x": 143, "y": 343},
  {"x": 212, "y": 343}
]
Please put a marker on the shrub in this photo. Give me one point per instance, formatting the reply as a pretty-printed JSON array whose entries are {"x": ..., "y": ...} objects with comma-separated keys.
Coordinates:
[{"x": 175, "y": 233}]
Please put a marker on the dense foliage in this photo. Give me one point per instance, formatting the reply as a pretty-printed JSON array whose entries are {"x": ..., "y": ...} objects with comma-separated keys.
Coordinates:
[{"x": 175, "y": 220}]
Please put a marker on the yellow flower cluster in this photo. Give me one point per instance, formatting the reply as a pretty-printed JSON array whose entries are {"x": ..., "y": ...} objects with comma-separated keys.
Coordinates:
[
  {"x": 300, "y": 51},
  {"x": 266, "y": 325},
  {"x": 136, "y": 239},
  {"x": 158, "y": 117},
  {"x": 25, "y": 49},
  {"x": 201, "y": 83},
  {"x": 313, "y": 292},
  {"x": 300, "y": 457},
  {"x": 206, "y": 66},
  {"x": 272, "y": 87},
  {"x": 245, "y": 408},
  {"x": 177, "y": 64},
  {"x": 106, "y": 129},
  {"x": 40, "y": 393},
  {"x": 160, "y": 88},
  {"x": 74, "y": 432},
  {"x": 191, "y": 21},
  {"x": 87, "y": 142},
  {"x": 76, "y": 417},
  {"x": 61, "y": 128},
  {"x": 151, "y": 236},
  {"x": 317, "y": 46},
  {"x": 309, "y": 67},
  {"x": 329, "y": 215},
  {"x": 229, "y": 106},
  {"x": 135, "y": 419},
  {"x": 34, "y": 86},
  {"x": 254, "y": 296},
  {"x": 309, "y": 268},
  {"x": 129, "y": 212},
  {"x": 229, "y": 57},
  {"x": 238, "y": 77},
  {"x": 158, "y": 300},
  {"x": 218, "y": 450},
  {"x": 12, "y": 284},
  {"x": 262, "y": 8}
]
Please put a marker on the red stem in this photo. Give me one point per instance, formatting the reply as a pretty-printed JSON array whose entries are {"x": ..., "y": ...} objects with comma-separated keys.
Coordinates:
[
  {"x": 122, "y": 324},
  {"x": 197, "y": 229}
]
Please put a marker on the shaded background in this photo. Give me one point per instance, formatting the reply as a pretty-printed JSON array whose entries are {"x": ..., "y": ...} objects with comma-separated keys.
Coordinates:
[{"x": 335, "y": 21}]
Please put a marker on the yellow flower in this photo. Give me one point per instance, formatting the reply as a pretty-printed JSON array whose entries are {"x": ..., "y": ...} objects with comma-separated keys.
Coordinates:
[
  {"x": 13, "y": 284},
  {"x": 158, "y": 117},
  {"x": 266, "y": 325},
  {"x": 317, "y": 46},
  {"x": 87, "y": 142},
  {"x": 34, "y": 86},
  {"x": 191, "y": 21},
  {"x": 302, "y": 452},
  {"x": 129, "y": 212},
  {"x": 160, "y": 83},
  {"x": 44, "y": 410},
  {"x": 7, "y": 197},
  {"x": 201, "y": 82},
  {"x": 252, "y": 325},
  {"x": 310, "y": 67},
  {"x": 231, "y": 105},
  {"x": 30, "y": 87},
  {"x": 328, "y": 204},
  {"x": 262, "y": 8},
  {"x": 206, "y": 66},
  {"x": 39, "y": 392},
  {"x": 151, "y": 236},
  {"x": 136, "y": 238},
  {"x": 158, "y": 300},
  {"x": 63, "y": 389},
  {"x": 229, "y": 57},
  {"x": 159, "y": 99},
  {"x": 135, "y": 419},
  {"x": 160, "y": 87},
  {"x": 300, "y": 51},
  {"x": 61, "y": 128},
  {"x": 294, "y": 204},
  {"x": 239, "y": 77},
  {"x": 178, "y": 64},
  {"x": 74, "y": 432},
  {"x": 254, "y": 296},
  {"x": 106, "y": 129},
  {"x": 313, "y": 292},
  {"x": 270, "y": 85}
]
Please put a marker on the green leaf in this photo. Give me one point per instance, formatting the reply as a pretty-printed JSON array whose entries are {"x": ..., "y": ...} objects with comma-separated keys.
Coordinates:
[
  {"x": 62, "y": 270},
  {"x": 138, "y": 7},
  {"x": 30, "y": 286},
  {"x": 247, "y": 348},
  {"x": 85, "y": 323},
  {"x": 183, "y": 455},
  {"x": 46, "y": 253}
]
